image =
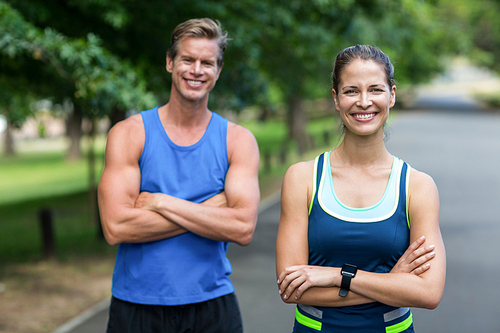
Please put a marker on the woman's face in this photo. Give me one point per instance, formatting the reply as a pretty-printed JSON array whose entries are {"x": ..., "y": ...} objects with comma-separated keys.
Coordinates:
[{"x": 364, "y": 97}]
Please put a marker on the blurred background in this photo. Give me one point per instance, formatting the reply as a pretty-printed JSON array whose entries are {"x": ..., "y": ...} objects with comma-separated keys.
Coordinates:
[{"x": 70, "y": 69}]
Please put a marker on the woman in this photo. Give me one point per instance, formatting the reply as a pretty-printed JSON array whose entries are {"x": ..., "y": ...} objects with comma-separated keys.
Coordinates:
[{"x": 349, "y": 216}]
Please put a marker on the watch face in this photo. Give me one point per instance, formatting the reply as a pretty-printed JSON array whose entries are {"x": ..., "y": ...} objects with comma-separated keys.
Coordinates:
[{"x": 349, "y": 268}]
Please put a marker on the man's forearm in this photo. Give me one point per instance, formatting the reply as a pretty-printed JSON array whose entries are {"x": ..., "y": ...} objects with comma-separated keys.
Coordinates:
[
  {"x": 232, "y": 224},
  {"x": 125, "y": 224}
]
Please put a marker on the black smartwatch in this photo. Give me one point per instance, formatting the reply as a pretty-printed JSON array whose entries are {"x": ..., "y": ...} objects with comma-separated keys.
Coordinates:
[{"x": 348, "y": 272}]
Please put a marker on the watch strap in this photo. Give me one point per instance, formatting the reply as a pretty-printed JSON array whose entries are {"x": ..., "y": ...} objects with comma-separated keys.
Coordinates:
[
  {"x": 348, "y": 272},
  {"x": 345, "y": 284}
]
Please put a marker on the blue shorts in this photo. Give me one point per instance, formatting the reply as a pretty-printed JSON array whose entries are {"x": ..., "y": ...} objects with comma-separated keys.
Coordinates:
[{"x": 220, "y": 315}]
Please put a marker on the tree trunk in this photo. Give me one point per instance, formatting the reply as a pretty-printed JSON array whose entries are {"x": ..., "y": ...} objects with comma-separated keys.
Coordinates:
[
  {"x": 9, "y": 140},
  {"x": 297, "y": 121},
  {"x": 93, "y": 206},
  {"x": 116, "y": 116},
  {"x": 74, "y": 132}
]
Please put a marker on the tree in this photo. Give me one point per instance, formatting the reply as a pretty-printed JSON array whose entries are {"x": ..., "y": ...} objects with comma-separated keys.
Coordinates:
[
  {"x": 475, "y": 25},
  {"x": 298, "y": 40},
  {"x": 288, "y": 46},
  {"x": 99, "y": 81}
]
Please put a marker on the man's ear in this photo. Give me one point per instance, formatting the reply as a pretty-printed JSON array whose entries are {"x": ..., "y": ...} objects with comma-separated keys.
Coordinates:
[
  {"x": 170, "y": 63},
  {"x": 219, "y": 70}
]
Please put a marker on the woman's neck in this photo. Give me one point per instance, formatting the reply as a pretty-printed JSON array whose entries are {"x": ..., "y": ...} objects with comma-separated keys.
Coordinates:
[{"x": 362, "y": 151}]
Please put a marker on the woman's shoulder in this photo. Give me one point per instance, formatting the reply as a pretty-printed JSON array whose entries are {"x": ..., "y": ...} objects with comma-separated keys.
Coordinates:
[
  {"x": 422, "y": 186},
  {"x": 301, "y": 169},
  {"x": 299, "y": 176},
  {"x": 419, "y": 178}
]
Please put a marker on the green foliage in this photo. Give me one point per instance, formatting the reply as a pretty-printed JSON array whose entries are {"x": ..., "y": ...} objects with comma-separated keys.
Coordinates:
[
  {"x": 272, "y": 134},
  {"x": 475, "y": 25},
  {"x": 275, "y": 43},
  {"x": 101, "y": 81}
]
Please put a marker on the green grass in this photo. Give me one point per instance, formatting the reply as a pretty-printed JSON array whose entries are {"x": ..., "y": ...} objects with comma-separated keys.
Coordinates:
[
  {"x": 35, "y": 176},
  {"x": 37, "y": 172},
  {"x": 489, "y": 100},
  {"x": 271, "y": 135},
  {"x": 20, "y": 236},
  {"x": 36, "y": 179}
]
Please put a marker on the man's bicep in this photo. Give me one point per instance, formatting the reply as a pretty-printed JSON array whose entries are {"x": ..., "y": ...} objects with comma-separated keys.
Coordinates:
[
  {"x": 120, "y": 181},
  {"x": 242, "y": 183},
  {"x": 119, "y": 185}
]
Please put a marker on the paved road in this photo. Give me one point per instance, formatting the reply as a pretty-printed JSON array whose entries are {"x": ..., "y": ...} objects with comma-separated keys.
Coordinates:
[
  {"x": 462, "y": 153},
  {"x": 459, "y": 147}
]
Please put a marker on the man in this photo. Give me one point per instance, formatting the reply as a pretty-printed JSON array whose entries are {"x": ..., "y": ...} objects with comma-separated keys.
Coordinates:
[{"x": 179, "y": 183}]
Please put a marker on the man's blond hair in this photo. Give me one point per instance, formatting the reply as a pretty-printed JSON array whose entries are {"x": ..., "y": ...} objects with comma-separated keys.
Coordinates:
[{"x": 199, "y": 28}]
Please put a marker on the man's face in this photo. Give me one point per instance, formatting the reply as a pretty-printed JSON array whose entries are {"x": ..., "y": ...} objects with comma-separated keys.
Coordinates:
[{"x": 194, "y": 69}]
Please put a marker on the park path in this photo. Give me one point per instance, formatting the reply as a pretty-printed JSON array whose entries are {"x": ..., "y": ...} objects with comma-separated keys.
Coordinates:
[{"x": 447, "y": 135}]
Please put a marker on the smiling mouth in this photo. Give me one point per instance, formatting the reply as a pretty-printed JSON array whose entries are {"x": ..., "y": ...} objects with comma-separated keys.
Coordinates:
[
  {"x": 364, "y": 115},
  {"x": 194, "y": 83}
]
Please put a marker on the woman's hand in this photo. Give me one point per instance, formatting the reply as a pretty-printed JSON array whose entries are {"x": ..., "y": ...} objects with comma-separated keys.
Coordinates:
[
  {"x": 297, "y": 279},
  {"x": 416, "y": 259}
]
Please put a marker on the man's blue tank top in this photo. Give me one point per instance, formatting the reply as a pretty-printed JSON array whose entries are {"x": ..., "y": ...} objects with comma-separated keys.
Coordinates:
[
  {"x": 187, "y": 268},
  {"x": 372, "y": 238}
]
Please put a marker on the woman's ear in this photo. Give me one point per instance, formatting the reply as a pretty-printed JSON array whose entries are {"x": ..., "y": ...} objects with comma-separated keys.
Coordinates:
[
  {"x": 393, "y": 96},
  {"x": 334, "y": 93}
]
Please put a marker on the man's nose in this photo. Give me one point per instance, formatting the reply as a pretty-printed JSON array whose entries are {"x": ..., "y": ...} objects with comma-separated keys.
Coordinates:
[{"x": 196, "y": 68}]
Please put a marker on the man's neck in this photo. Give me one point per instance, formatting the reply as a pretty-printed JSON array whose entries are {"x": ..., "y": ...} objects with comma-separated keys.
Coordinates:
[
  {"x": 184, "y": 126},
  {"x": 179, "y": 112}
]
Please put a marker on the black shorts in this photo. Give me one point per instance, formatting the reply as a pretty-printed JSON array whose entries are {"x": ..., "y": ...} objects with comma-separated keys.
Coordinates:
[{"x": 220, "y": 315}]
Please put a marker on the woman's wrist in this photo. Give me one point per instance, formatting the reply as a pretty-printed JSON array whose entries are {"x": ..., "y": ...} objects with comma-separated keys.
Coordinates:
[{"x": 337, "y": 276}]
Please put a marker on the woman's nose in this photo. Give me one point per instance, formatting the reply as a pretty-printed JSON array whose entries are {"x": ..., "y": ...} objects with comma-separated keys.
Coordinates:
[{"x": 364, "y": 101}]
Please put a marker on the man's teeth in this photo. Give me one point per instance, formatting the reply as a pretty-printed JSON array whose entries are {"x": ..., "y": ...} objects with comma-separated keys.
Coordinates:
[
  {"x": 196, "y": 83},
  {"x": 364, "y": 116}
]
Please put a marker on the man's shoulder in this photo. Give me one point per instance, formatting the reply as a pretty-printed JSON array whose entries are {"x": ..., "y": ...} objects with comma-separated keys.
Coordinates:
[
  {"x": 239, "y": 137},
  {"x": 236, "y": 130},
  {"x": 131, "y": 127}
]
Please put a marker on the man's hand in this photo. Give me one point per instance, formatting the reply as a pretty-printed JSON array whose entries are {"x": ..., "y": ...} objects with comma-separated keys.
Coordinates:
[
  {"x": 148, "y": 201},
  {"x": 218, "y": 200}
]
